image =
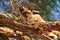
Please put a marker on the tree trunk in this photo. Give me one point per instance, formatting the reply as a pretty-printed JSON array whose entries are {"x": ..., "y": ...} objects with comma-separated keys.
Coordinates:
[{"x": 9, "y": 27}]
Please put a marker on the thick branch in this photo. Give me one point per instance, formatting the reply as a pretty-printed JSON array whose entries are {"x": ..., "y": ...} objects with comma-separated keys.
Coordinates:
[{"x": 10, "y": 27}]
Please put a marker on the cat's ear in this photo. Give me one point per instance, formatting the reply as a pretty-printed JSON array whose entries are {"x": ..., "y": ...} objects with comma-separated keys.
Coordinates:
[{"x": 21, "y": 8}]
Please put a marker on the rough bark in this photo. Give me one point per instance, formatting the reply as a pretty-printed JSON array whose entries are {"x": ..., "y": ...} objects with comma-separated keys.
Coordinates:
[{"x": 10, "y": 28}]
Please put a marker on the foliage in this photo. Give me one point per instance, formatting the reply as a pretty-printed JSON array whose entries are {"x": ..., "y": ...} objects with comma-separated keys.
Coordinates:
[{"x": 45, "y": 7}]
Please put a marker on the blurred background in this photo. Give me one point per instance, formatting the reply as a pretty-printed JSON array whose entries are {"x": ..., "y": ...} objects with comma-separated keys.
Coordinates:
[{"x": 49, "y": 9}]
